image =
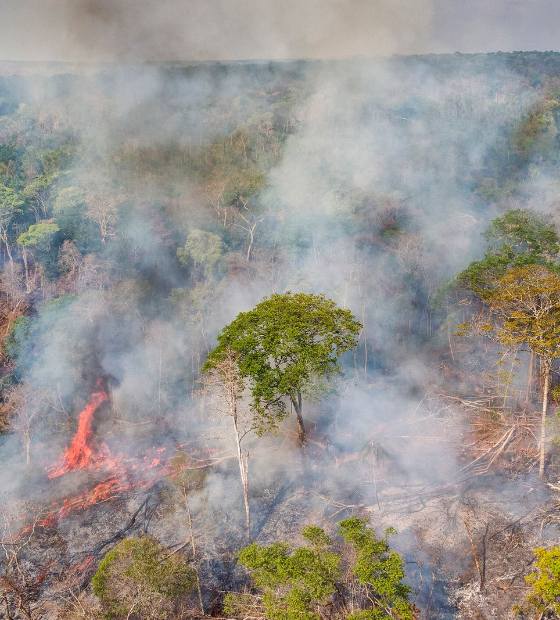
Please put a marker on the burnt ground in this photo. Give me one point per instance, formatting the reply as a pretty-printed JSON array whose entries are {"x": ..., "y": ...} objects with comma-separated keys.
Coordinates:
[{"x": 466, "y": 527}]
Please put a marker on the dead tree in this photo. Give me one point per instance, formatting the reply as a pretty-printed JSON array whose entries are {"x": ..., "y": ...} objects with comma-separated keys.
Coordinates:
[{"x": 224, "y": 388}]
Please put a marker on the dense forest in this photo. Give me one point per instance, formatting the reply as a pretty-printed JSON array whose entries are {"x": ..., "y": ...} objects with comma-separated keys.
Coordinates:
[{"x": 280, "y": 340}]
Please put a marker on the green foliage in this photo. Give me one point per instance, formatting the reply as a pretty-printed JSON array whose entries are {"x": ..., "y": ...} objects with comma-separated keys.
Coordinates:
[
  {"x": 521, "y": 231},
  {"x": 294, "y": 583},
  {"x": 10, "y": 200},
  {"x": 30, "y": 335},
  {"x": 69, "y": 199},
  {"x": 39, "y": 235},
  {"x": 538, "y": 129},
  {"x": 544, "y": 598},
  {"x": 17, "y": 337},
  {"x": 308, "y": 581},
  {"x": 286, "y": 345},
  {"x": 139, "y": 575},
  {"x": 39, "y": 188},
  {"x": 204, "y": 249},
  {"x": 244, "y": 186},
  {"x": 43, "y": 240},
  {"x": 379, "y": 569},
  {"x": 517, "y": 239}
]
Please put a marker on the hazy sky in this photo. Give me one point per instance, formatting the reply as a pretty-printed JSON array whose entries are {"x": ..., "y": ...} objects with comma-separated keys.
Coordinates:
[{"x": 76, "y": 30}]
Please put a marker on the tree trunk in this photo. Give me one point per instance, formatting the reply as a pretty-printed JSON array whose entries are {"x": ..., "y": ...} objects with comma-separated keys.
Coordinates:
[
  {"x": 301, "y": 427},
  {"x": 193, "y": 547},
  {"x": 24, "y": 254},
  {"x": 546, "y": 366},
  {"x": 7, "y": 608},
  {"x": 10, "y": 258},
  {"x": 27, "y": 449},
  {"x": 530, "y": 377},
  {"x": 243, "y": 461},
  {"x": 251, "y": 241}
]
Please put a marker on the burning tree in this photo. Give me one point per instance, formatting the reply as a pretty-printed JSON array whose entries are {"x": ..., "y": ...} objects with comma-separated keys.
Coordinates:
[
  {"x": 287, "y": 347},
  {"x": 79, "y": 453}
]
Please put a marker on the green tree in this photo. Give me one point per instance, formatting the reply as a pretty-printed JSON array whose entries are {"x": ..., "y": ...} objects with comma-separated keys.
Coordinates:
[
  {"x": 38, "y": 191},
  {"x": 287, "y": 347},
  {"x": 308, "y": 583},
  {"x": 69, "y": 199},
  {"x": 39, "y": 239},
  {"x": 140, "y": 577},
  {"x": 379, "y": 571},
  {"x": 543, "y": 601},
  {"x": 204, "y": 249},
  {"x": 518, "y": 238}
]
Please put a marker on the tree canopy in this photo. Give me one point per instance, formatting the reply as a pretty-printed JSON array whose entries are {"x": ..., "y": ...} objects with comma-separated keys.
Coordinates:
[
  {"x": 518, "y": 238},
  {"x": 287, "y": 347},
  {"x": 305, "y": 582},
  {"x": 544, "y": 597},
  {"x": 138, "y": 577}
]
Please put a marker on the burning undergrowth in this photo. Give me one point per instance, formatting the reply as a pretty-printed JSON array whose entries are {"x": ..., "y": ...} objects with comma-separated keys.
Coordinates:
[{"x": 90, "y": 472}]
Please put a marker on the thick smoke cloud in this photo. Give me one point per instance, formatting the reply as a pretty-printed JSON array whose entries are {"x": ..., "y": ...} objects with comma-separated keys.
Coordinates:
[{"x": 109, "y": 30}]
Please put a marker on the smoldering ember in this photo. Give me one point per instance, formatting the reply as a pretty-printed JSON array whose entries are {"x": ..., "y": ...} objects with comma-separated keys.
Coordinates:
[{"x": 280, "y": 339}]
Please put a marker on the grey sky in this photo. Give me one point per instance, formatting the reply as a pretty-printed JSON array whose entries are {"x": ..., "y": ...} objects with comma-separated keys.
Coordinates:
[{"x": 77, "y": 30}]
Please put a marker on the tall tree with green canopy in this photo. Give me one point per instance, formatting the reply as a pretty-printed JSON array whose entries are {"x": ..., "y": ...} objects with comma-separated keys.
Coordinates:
[
  {"x": 204, "y": 249},
  {"x": 287, "y": 347},
  {"x": 518, "y": 238},
  {"x": 308, "y": 583},
  {"x": 38, "y": 191},
  {"x": 38, "y": 238}
]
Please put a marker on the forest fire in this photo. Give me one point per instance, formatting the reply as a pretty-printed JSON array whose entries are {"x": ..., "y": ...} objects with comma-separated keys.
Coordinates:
[
  {"x": 122, "y": 473},
  {"x": 79, "y": 453}
]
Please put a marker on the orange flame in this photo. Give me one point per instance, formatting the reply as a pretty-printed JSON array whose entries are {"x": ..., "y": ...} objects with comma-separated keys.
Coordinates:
[
  {"x": 149, "y": 467},
  {"x": 79, "y": 453}
]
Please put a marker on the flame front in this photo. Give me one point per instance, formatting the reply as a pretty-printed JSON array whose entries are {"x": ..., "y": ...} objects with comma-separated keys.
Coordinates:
[
  {"x": 123, "y": 473},
  {"x": 79, "y": 453}
]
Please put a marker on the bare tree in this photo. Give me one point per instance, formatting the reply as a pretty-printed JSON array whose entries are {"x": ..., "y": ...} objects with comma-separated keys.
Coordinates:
[
  {"x": 224, "y": 388},
  {"x": 188, "y": 481},
  {"x": 12, "y": 282},
  {"x": 18, "y": 583},
  {"x": 248, "y": 221},
  {"x": 103, "y": 210},
  {"x": 27, "y": 406}
]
